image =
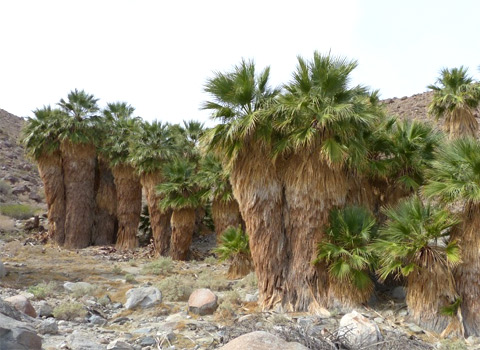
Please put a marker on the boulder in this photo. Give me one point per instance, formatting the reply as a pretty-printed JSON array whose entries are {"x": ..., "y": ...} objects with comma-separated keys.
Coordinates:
[
  {"x": 20, "y": 189},
  {"x": 202, "y": 302},
  {"x": 17, "y": 335},
  {"x": 3, "y": 270},
  {"x": 45, "y": 309},
  {"x": 84, "y": 341},
  {"x": 144, "y": 297},
  {"x": 119, "y": 344},
  {"x": 358, "y": 330},
  {"x": 48, "y": 326},
  {"x": 261, "y": 341},
  {"x": 22, "y": 304}
]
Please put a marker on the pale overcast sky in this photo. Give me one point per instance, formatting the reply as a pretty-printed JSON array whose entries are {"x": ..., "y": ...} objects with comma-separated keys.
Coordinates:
[{"x": 157, "y": 55}]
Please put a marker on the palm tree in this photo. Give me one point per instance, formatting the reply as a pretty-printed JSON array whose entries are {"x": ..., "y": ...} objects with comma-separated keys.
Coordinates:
[
  {"x": 234, "y": 246},
  {"x": 120, "y": 126},
  {"x": 151, "y": 148},
  {"x": 455, "y": 98},
  {"x": 41, "y": 142},
  {"x": 180, "y": 193},
  {"x": 77, "y": 137},
  {"x": 321, "y": 121},
  {"x": 455, "y": 178},
  {"x": 348, "y": 256},
  {"x": 225, "y": 210},
  {"x": 239, "y": 99},
  {"x": 414, "y": 243}
]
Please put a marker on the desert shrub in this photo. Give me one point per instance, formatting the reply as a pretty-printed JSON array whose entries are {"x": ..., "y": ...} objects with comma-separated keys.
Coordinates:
[
  {"x": 43, "y": 290},
  {"x": 453, "y": 344},
  {"x": 84, "y": 291},
  {"x": 211, "y": 260},
  {"x": 130, "y": 278},
  {"x": 211, "y": 281},
  {"x": 117, "y": 270},
  {"x": 161, "y": 266},
  {"x": 176, "y": 287},
  {"x": 249, "y": 281},
  {"x": 17, "y": 211},
  {"x": 5, "y": 188},
  {"x": 232, "y": 297},
  {"x": 69, "y": 311}
]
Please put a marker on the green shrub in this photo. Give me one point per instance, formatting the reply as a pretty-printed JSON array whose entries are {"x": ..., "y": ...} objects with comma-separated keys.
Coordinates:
[
  {"x": 211, "y": 260},
  {"x": 5, "y": 188},
  {"x": 17, "y": 211},
  {"x": 43, "y": 290},
  {"x": 83, "y": 291},
  {"x": 129, "y": 278},
  {"x": 69, "y": 311},
  {"x": 249, "y": 281},
  {"x": 161, "y": 266},
  {"x": 211, "y": 281},
  {"x": 176, "y": 287},
  {"x": 232, "y": 242}
]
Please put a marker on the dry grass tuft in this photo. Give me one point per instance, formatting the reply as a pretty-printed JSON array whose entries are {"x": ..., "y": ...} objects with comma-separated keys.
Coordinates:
[{"x": 69, "y": 311}]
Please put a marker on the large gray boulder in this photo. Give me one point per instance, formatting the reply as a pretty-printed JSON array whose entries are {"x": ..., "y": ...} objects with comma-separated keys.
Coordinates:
[
  {"x": 358, "y": 330},
  {"x": 17, "y": 335},
  {"x": 261, "y": 341},
  {"x": 22, "y": 304},
  {"x": 143, "y": 297}
]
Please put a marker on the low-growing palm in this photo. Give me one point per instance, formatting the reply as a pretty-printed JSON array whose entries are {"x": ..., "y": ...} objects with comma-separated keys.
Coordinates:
[
  {"x": 234, "y": 246},
  {"x": 40, "y": 139},
  {"x": 346, "y": 251},
  {"x": 455, "y": 179},
  {"x": 180, "y": 193},
  {"x": 455, "y": 98},
  {"x": 415, "y": 243}
]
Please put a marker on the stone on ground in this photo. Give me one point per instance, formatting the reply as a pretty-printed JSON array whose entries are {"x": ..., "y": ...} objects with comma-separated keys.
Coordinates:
[
  {"x": 202, "y": 302},
  {"x": 144, "y": 297},
  {"x": 17, "y": 335},
  {"x": 22, "y": 304},
  {"x": 3, "y": 271},
  {"x": 358, "y": 330},
  {"x": 48, "y": 326},
  {"x": 119, "y": 344},
  {"x": 261, "y": 341}
]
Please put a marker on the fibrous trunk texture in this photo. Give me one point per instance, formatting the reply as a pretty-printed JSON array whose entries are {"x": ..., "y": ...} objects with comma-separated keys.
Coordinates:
[
  {"x": 240, "y": 266},
  {"x": 79, "y": 179},
  {"x": 343, "y": 295},
  {"x": 51, "y": 172},
  {"x": 467, "y": 274},
  {"x": 183, "y": 225},
  {"x": 429, "y": 289},
  {"x": 259, "y": 193},
  {"x": 461, "y": 123},
  {"x": 312, "y": 189},
  {"x": 105, "y": 223},
  {"x": 129, "y": 205},
  {"x": 225, "y": 214},
  {"x": 159, "y": 219}
]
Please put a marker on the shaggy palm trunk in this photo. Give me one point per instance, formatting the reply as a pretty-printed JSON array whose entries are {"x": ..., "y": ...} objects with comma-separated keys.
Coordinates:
[
  {"x": 225, "y": 214},
  {"x": 461, "y": 123},
  {"x": 183, "y": 225},
  {"x": 259, "y": 193},
  {"x": 345, "y": 296},
  {"x": 240, "y": 266},
  {"x": 467, "y": 274},
  {"x": 129, "y": 205},
  {"x": 429, "y": 289},
  {"x": 159, "y": 219},
  {"x": 312, "y": 189},
  {"x": 79, "y": 179},
  {"x": 51, "y": 172},
  {"x": 105, "y": 223}
]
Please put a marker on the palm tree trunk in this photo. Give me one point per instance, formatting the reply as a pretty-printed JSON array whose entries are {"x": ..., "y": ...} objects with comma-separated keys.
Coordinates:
[
  {"x": 427, "y": 293},
  {"x": 345, "y": 297},
  {"x": 225, "y": 214},
  {"x": 105, "y": 223},
  {"x": 79, "y": 179},
  {"x": 51, "y": 172},
  {"x": 183, "y": 224},
  {"x": 159, "y": 219},
  {"x": 240, "y": 266},
  {"x": 312, "y": 189},
  {"x": 259, "y": 193},
  {"x": 129, "y": 205},
  {"x": 467, "y": 274},
  {"x": 461, "y": 123}
]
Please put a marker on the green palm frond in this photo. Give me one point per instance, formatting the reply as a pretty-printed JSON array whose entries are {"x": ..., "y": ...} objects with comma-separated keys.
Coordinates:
[
  {"x": 215, "y": 177},
  {"x": 232, "y": 242},
  {"x": 346, "y": 250},
  {"x": 415, "y": 237},
  {"x": 79, "y": 104}
]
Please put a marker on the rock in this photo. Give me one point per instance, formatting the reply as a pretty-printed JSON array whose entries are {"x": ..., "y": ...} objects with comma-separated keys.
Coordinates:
[
  {"x": 12, "y": 179},
  {"x": 77, "y": 286},
  {"x": 261, "y": 341},
  {"x": 148, "y": 341},
  {"x": 358, "y": 330},
  {"x": 84, "y": 341},
  {"x": 202, "y": 302},
  {"x": 17, "y": 335},
  {"x": 414, "y": 328},
  {"x": 20, "y": 189},
  {"x": 399, "y": 292},
  {"x": 251, "y": 298},
  {"x": 144, "y": 297},
  {"x": 119, "y": 344},
  {"x": 48, "y": 326},
  {"x": 35, "y": 197},
  {"x": 22, "y": 304},
  {"x": 3, "y": 270},
  {"x": 45, "y": 310},
  {"x": 97, "y": 320}
]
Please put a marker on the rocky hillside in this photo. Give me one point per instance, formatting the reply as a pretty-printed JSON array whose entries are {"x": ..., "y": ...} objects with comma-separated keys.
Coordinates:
[{"x": 19, "y": 177}]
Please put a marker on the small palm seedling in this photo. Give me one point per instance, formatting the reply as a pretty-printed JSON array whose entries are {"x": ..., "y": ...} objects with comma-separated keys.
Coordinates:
[
  {"x": 234, "y": 246},
  {"x": 415, "y": 243},
  {"x": 347, "y": 255}
]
